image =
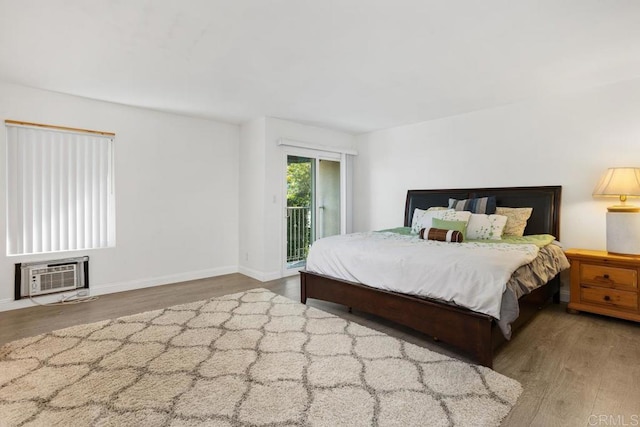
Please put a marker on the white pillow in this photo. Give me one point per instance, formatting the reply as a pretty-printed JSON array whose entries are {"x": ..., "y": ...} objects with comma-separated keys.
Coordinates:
[
  {"x": 422, "y": 219},
  {"x": 486, "y": 227},
  {"x": 418, "y": 217}
]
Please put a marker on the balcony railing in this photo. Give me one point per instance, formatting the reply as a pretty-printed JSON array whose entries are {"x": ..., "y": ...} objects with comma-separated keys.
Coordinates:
[{"x": 298, "y": 233}]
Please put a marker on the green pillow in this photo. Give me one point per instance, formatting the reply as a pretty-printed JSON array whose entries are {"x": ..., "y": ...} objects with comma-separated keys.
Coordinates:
[{"x": 460, "y": 226}]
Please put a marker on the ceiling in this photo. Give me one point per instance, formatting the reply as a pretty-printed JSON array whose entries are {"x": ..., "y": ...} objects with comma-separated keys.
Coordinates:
[{"x": 352, "y": 65}]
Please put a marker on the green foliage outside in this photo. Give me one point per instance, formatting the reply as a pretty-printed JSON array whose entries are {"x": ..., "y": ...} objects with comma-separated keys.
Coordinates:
[
  {"x": 299, "y": 184},
  {"x": 299, "y": 195}
]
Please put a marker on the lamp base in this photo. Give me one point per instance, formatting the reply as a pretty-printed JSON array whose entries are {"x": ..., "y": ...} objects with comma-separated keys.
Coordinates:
[{"x": 623, "y": 232}]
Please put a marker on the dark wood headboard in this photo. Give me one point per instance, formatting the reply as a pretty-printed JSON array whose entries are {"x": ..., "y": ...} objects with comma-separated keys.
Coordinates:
[{"x": 545, "y": 201}]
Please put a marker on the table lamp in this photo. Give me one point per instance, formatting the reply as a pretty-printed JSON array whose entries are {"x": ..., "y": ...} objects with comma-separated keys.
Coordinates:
[{"x": 623, "y": 220}]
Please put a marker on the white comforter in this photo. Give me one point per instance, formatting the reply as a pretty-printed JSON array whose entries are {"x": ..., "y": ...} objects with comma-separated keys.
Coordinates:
[{"x": 472, "y": 275}]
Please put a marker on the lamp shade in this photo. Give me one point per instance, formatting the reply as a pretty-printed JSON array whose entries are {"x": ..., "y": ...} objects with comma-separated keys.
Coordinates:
[
  {"x": 619, "y": 182},
  {"x": 622, "y": 183}
]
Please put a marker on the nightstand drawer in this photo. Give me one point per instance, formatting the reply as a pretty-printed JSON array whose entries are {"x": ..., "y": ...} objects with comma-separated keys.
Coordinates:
[
  {"x": 609, "y": 297},
  {"x": 603, "y": 275}
]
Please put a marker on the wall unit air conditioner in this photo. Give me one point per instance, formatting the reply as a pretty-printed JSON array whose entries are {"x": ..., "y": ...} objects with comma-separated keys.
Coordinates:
[{"x": 47, "y": 277}]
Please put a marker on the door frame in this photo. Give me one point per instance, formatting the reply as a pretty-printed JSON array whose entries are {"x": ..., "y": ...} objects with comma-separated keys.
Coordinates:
[{"x": 316, "y": 155}]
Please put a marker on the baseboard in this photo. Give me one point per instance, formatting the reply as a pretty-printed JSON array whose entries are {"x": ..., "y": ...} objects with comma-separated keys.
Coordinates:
[
  {"x": 10, "y": 304},
  {"x": 159, "y": 281},
  {"x": 259, "y": 275},
  {"x": 564, "y": 295}
]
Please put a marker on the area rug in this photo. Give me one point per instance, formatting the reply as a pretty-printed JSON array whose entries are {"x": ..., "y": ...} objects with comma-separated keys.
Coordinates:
[{"x": 250, "y": 358}]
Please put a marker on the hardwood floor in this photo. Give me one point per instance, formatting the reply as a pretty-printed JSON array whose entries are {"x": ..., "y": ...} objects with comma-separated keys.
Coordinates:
[{"x": 576, "y": 370}]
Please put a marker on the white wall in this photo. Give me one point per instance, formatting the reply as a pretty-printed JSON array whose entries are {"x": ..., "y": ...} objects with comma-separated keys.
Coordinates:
[
  {"x": 268, "y": 177},
  {"x": 252, "y": 177},
  {"x": 176, "y": 191},
  {"x": 568, "y": 141}
]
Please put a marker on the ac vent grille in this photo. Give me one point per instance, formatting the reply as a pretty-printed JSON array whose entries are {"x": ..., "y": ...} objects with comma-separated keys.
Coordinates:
[{"x": 53, "y": 279}]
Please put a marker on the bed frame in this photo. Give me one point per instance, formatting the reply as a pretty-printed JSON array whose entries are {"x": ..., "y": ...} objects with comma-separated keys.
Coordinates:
[{"x": 473, "y": 334}]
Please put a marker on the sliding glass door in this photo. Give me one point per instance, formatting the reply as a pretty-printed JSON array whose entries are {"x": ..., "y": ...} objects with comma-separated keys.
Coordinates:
[{"x": 313, "y": 204}]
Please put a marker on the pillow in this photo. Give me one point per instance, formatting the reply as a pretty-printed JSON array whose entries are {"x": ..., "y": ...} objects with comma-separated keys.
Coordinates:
[
  {"x": 486, "y": 227},
  {"x": 418, "y": 217},
  {"x": 479, "y": 205},
  {"x": 423, "y": 219},
  {"x": 451, "y": 215},
  {"x": 441, "y": 235},
  {"x": 516, "y": 220},
  {"x": 443, "y": 224}
]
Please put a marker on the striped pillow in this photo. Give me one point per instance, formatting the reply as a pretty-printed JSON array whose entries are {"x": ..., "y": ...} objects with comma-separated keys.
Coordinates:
[
  {"x": 441, "y": 235},
  {"x": 442, "y": 224},
  {"x": 478, "y": 205}
]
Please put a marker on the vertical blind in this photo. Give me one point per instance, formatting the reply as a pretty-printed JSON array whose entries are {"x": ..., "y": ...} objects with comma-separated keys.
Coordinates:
[{"x": 60, "y": 192}]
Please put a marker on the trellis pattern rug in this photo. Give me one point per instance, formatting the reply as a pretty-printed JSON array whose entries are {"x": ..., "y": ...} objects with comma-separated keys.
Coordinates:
[{"x": 249, "y": 358}]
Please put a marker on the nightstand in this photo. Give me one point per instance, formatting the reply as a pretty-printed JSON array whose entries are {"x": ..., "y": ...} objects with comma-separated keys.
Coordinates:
[{"x": 604, "y": 283}]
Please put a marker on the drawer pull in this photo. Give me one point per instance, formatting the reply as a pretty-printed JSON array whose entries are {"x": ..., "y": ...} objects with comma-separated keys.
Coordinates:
[
  {"x": 605, "y": 278},
  {"x": 607, "y": 298}
]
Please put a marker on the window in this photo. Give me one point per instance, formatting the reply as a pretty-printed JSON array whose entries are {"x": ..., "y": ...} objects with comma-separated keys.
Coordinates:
[{"x": 60, "y": 189}]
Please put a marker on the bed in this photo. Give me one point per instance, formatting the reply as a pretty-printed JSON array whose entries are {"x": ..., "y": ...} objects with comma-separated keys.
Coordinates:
[{"x": 473, "y": 334}]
